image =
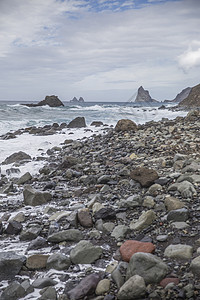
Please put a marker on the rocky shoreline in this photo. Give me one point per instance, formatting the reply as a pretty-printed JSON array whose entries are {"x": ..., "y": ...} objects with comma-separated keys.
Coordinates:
[{"x": 115, "y": 216}]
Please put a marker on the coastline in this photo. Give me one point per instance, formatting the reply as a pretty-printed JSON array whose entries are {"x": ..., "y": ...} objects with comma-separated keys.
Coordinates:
[{"x": 93, "y": 194}]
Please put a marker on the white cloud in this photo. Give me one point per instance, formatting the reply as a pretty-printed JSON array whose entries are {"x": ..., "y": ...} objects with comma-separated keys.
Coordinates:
[{"x": 191, "y": 57}]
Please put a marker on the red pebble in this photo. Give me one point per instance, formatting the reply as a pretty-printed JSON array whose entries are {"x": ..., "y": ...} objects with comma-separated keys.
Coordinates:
[{"x": 131, "y": 247}]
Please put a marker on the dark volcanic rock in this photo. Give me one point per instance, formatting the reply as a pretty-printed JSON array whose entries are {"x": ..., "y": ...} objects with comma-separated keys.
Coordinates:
[
  {"x": 15, "y": 157},
  {"x": 143, "y": 96},
  {"x": 77, "y": 123},
  {"x": 144, "y": 176},
  {"x": 86, "y": 287},
  {"x": 13, "y": 227},
  {"x": 52, "y": 101},
  {"x": 10, "y": 264}
]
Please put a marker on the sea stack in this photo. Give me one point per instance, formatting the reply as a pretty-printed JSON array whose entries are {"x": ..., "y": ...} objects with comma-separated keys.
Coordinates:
[
  {"x": 193, "y": 99},
  {"x": 52, "y": 101},
  {"x": 144, "y": 96}
]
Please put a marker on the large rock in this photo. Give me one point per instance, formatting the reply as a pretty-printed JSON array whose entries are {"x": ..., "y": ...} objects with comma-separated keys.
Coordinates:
[
  {"x": 144, "y": 96},
  {"x": 86, "y": 287},
  {"x": 131, "y": 247},
  {"x": 179, "y": 251},
  {"x": 73, "y": 235},
  {"x": 144, "y": 176},
  {"x": 181, "y": 96},
  {"x": 52, "y": 101},
  {"x": 33, "y": 197},
  {"x": 125, "y": 125},
  {"x": 36, "y": 261},
  {"x": 148, "y": 266},
  {"x": 195, "y": 266},
  {"x": 77, "y": 123},
  {"x": 58, "y": 261},
  {"x": 10, "y": 264},
  {"x": 13, "y": 291},
  {"x": 85, "y": 253},
  {"x": 16, "y": 157},
  {"x": 193, "y": 99},
  {"x": 133, "y": 288}
]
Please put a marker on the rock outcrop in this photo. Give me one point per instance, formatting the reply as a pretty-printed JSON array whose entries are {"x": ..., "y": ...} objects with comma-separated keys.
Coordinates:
[
  {"x": 181, "y": 96},
  {"x": 52, "y": 101},
  {"x": 144, "y": 96},
  {"x": 75, "y": 100},
  {"x": 193, "y": 99}
]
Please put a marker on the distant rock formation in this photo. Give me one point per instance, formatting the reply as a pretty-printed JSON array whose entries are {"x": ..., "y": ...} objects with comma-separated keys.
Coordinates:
[
  {"x": 75, "y": 100},
  {"x": 144, "y": 96},
  {"x": 181, "y": 96},
  {"x": 193, "y": 99},
  {"x": 51, "y": 101}
]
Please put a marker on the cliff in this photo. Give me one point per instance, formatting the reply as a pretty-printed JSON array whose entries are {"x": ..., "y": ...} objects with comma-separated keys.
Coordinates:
[{"x": 193, "y": 99}]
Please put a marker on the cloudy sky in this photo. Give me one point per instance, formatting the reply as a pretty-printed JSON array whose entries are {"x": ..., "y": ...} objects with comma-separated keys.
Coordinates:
[{"x": 98, "y": 49}]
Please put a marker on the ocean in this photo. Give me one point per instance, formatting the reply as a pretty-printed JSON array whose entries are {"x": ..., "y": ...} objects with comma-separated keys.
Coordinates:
[{"x": 15, "y": 116}]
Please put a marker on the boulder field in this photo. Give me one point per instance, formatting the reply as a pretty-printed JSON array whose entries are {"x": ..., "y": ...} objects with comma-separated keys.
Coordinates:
[{"x": 114, "y": 216}]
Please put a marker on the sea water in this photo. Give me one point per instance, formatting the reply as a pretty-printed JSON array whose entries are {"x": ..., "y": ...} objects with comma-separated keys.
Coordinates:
[{"x": 15, "y": 116}]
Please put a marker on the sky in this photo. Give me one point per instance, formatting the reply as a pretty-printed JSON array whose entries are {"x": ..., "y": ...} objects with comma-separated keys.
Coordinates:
[{"x": 102, "y": 50}]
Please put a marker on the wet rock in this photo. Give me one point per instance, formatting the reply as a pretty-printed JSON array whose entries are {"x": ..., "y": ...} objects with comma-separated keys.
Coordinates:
[
  {"x": 58, "y": 261},
  {"x": 19, "y": 217},
  {"x": 179, "y": 251},
  {"x": 30, "y": 233},
  {"x": 133, "y": 288},
  {"x": 16, "y": 157},
  {"x": 131, "y": 247},
  {"x": 38, "y": 243},
  {"x": 144, "y": 176},
  {"x": 13, "y": 291},
  {"x": 77, "y": 123},
  {"x": 85, "y": 288},
  {"x": 148, "y": 266},
  {"x": 36, "y": 261},
  {"x": 48, "y": 293},
  {"x": 33, "y": 197},
  {"x": 85, "y": 253},
  {"x": 66, "y": 235},
  {"x": 125, "y": 125},
  {"x": 144, "y": 220},
  {"x": 10, "y": 264},
  {"x": 131, "y": 201},
  {"x": 96, "y": 123},
  {"x": 27, "y": 286},
  {"x": 41, "y": 283},
  {"x": 24, "y": 178},
  {"x": 13, "y": 227}
]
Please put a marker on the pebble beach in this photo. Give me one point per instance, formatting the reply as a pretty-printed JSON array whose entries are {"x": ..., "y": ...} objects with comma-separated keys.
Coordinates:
[{"x": 111, "y": 216}]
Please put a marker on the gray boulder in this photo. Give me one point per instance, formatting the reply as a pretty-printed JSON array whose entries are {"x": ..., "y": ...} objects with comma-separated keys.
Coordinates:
[
  {"x": 85, "y": 253},
  {"x": 73, "y": 235},
  {"x": 24, "y": 178},
  {"x": 133, "y": 288},
  {"x": 13, "y": 291},
  {"x": 33, "y": 197},
  {"x": 10, "y": 264},
  {"x": 179, "y": 251},
  {"x": 77, "y": 123},
  {"x": 86, "y": 287},
  {"x": 16, "y": 157},
  {"x": 148, "y": 266},
  {"x": 58, "y": 261}
]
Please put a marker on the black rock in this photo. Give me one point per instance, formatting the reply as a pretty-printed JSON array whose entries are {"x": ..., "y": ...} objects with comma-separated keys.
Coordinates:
[
  {"x": 77, "y": 123},
  {"x": 105, "y": 214},
  {"x": 13, "y": 227}
]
